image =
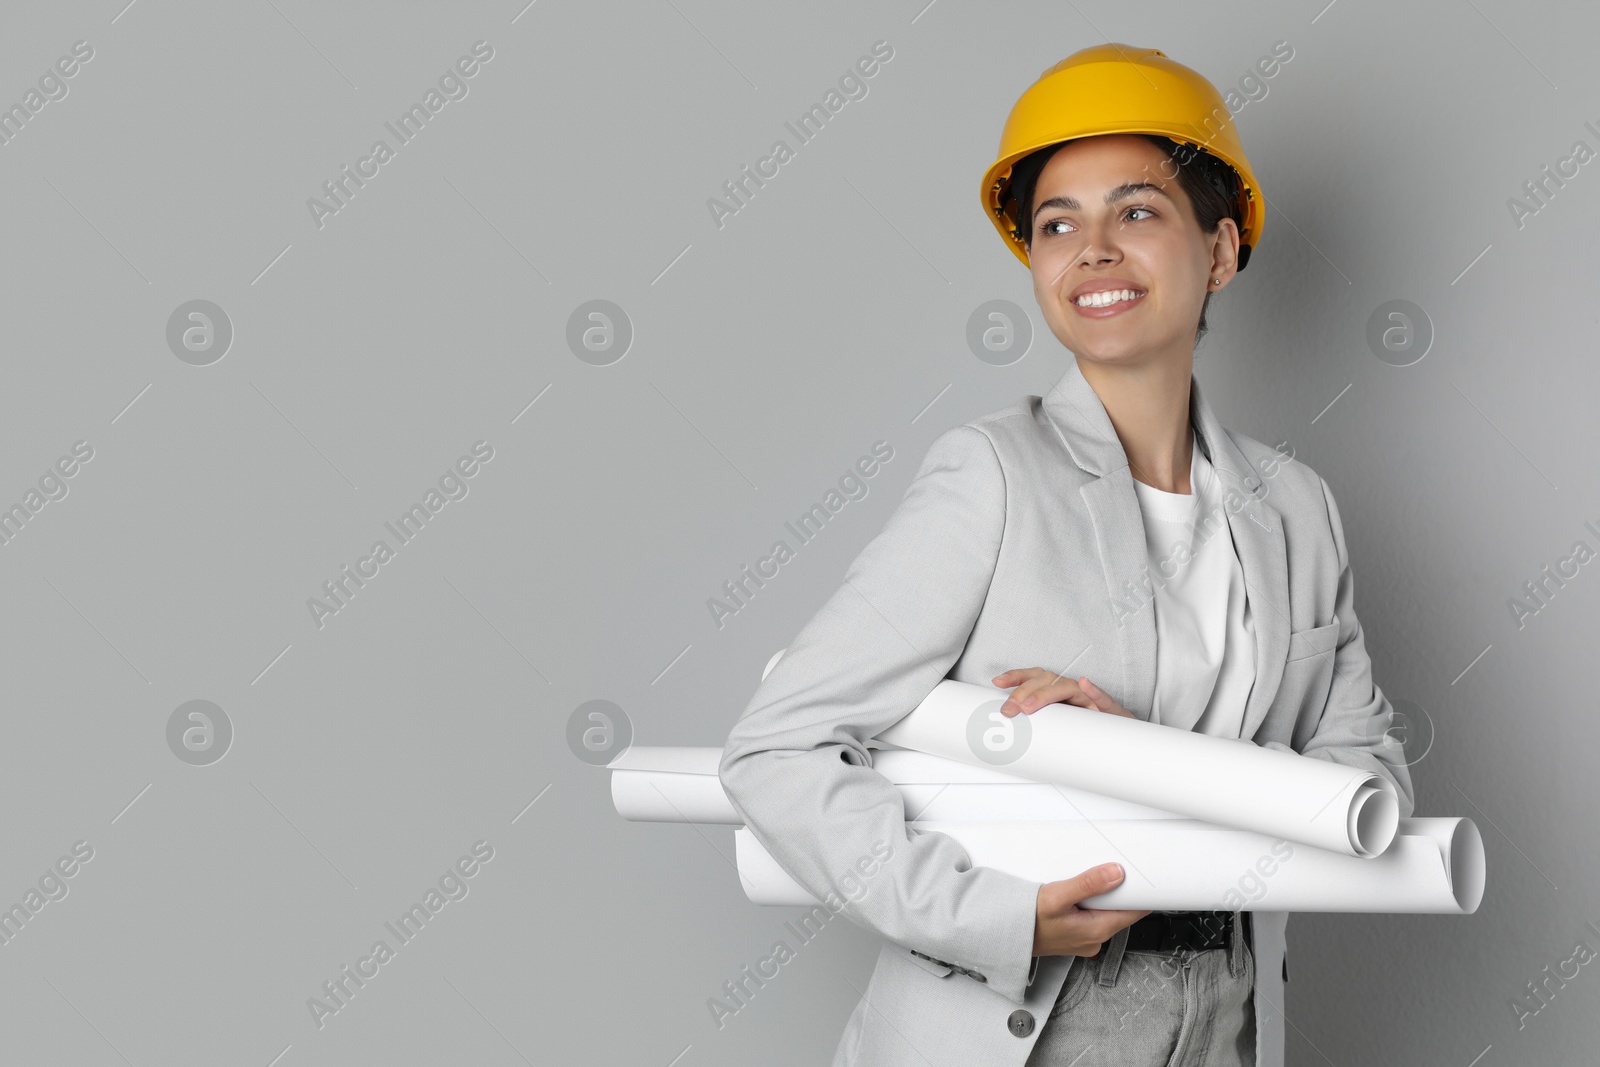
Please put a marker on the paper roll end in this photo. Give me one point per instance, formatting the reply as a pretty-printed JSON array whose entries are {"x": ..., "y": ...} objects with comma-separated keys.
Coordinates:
[
  {"x": 1467, "y": 866},
  {"x": 1374, "y": 819}
]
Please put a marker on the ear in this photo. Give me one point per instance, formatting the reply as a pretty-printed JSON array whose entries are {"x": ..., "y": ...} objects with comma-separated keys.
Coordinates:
[{"x": 1224, "y": 253}]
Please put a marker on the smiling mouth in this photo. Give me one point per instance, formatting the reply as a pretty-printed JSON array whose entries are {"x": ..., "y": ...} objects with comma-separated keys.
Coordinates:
[
  {"x": 1108, "y": 302},
  {"x": 1108, "y": 297}
]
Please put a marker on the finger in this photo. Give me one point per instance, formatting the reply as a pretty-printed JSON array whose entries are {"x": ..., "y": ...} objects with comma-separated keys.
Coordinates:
[
  {"x": 1106, "y": 702},
  {"x": 1101, "y": 698},
  {"x": 1108, "y": 922},
  {"x": 1029, "y": 696},
  {"x": 1050, "y": 685},
  {"x": 1117, "y": 918},
  {"x": 1017, "y": 675},
  {"x": 1094, "y": 881},
  {"x": 1101, "y": 924},
  {"x": 1025, "y": 682},
  {"x": 1057, "y": 690}
]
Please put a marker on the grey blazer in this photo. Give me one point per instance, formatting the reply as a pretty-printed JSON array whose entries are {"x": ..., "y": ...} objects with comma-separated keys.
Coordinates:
[{"x": 1019, "y": 544}]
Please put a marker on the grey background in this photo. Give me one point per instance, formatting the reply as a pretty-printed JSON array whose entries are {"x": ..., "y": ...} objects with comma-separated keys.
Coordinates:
[{"x": 369, "y": 354}]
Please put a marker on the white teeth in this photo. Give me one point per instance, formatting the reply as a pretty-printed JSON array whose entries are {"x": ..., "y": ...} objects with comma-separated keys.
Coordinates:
[{"x": 1110, "y": 296}]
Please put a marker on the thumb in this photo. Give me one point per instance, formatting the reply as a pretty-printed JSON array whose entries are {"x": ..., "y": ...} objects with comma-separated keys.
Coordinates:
[{"x": 1097, "y": 880}]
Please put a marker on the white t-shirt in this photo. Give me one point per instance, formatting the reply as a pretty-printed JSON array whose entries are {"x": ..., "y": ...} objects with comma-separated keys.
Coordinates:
[{"x": 1205, "y": 641}]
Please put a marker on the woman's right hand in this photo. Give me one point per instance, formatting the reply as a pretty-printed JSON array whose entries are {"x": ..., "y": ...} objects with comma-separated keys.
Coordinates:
[{"x": 1061, "y": 928}]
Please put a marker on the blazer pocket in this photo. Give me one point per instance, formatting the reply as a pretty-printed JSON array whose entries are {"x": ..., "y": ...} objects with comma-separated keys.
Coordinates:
[
  {"x": 1313, "y": 641},
  {"x": 1308, "y": 679},
  {"x": 937, "y": 967}
]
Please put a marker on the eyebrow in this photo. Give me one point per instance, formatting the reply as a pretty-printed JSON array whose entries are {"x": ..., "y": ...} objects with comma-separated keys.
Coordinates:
[{"x": 1121, "y": 192}]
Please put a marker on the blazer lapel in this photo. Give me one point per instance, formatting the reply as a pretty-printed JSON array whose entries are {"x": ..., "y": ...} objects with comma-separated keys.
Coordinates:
[
  {"x": 1257, "y": 530},
  {"x": 1080, "y": 422}
]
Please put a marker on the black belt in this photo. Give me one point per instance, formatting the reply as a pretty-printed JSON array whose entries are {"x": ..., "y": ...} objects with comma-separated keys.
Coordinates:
[{"x": 1195, "y": 930}]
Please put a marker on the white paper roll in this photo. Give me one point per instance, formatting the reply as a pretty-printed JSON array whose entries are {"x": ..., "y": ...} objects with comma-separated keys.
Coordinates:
[
  {"x": 1432, "y": 866},
  {"x": 1227, "y": 781},
  {"x": 1215, "y": 779},
  {"x": 660, "y": 784}
]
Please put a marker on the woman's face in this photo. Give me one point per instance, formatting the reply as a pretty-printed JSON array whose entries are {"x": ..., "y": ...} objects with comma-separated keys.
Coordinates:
[{"x": 1146, "y": 239}]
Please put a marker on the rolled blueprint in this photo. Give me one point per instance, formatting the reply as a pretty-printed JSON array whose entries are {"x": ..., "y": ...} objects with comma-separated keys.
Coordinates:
[
  {"x": 666, "y": 784},
  {"x": 1433, "y": 866},
  {"x": 1227, "y": 781}
]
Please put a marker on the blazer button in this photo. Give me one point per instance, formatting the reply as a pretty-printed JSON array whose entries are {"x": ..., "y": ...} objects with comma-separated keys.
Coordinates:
[{"x": 1021, "y": 1022}]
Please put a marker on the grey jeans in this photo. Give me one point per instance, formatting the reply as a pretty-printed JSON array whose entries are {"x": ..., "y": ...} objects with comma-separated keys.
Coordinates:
[{"x": 1183, "y": 1008}]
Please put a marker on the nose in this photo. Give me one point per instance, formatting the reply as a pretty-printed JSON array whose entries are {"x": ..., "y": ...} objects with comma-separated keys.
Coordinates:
[
  {"x": 1100, "y": 243},
  {"x": 1099, "y": 249}
]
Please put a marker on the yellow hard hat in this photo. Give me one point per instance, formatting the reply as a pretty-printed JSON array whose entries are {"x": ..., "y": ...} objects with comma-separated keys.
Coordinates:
[{"x": 1116, "y": 88}]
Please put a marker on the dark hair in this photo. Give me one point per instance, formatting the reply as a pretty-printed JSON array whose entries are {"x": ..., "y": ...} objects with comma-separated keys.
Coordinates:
[{"x": 1213, "y": 188}]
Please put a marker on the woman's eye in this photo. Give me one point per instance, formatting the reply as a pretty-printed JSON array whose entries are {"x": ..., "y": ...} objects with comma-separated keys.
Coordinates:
[{"x": 1046, "y": 231}]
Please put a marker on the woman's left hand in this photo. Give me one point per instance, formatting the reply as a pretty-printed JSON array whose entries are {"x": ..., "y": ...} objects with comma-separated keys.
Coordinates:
[{"x": 1037, "y": 687}]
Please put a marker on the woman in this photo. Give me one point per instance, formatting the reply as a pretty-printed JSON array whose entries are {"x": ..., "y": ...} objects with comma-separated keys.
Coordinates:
[{"x": 1109, "y": 545}]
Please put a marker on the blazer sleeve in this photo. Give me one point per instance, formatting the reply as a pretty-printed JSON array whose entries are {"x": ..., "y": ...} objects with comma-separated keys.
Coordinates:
[
  {"x": 796, "y": 765},
  {"x": 1355, "y": 728}
]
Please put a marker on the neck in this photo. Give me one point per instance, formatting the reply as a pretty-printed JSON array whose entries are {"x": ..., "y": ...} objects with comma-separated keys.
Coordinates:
[{"x": 1148, "y": 405}]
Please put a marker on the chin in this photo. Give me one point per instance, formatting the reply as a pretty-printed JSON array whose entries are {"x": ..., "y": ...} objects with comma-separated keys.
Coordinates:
[{"x": 1107, "y": 349}]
